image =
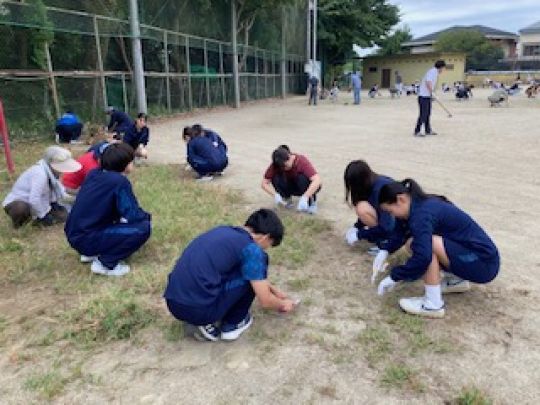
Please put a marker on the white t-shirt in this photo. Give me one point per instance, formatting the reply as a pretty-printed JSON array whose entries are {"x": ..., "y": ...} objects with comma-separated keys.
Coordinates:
[{"x": 431, "y": 76}]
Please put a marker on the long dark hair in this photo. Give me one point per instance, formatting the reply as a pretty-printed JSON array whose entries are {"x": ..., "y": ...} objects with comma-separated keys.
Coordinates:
[
  {"x": 359, "y": 179},
  {"x": 389, "y": 192}
]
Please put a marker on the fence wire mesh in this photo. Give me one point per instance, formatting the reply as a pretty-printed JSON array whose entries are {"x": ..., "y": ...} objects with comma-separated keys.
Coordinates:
[{"x": 59, "y": 54}]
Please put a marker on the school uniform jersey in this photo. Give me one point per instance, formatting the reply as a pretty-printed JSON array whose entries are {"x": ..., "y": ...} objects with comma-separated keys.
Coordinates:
[
  {"x": 385, "y": 222},
  {"x": 134, "y": 137},
  {"x": 434, "y": 216},
  {"x": 122, "y": 120},
  {"x": 431, "y": 76},
  {"x": 105, "y": 198},
  {"x": 225, "y": 257},
  {"x": 201, "y": 151},
  {"x": 217, "y": 141},
  {"x": 301, "y": 165},
  {"x": 68, "y": 119}
]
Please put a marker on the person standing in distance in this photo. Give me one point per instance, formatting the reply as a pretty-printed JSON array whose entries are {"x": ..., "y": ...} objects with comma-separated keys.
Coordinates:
[
  {"x": 425, "y": 98},
  {"x": 356, "y": 86}
]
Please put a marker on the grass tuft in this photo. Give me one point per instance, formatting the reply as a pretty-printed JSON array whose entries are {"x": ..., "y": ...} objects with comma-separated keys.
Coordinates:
[
  {"x": 402, "y": 377},
  {"x": 472, "y": 396},
  {"x": 47, "y": 385}
]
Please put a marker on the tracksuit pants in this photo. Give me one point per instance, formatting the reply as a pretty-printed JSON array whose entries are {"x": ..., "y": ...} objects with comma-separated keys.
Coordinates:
[
  {"x": 425, "y": 112},
  {"x": 67, "y": 133},
  {"x": 297, "y": 186}
]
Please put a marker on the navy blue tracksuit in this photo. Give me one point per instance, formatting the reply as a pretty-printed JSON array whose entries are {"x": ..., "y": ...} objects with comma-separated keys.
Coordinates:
[
  {"x": 120, "y": 122},
  {"x": 204, "y": 157},
  {"x": 473, "y": 255},
  {"x": 216, "y": 140},
  {"x": 134, "y": 137},
  {"x": 106, "y": 220},
  {"x": 385, "y": 222}
]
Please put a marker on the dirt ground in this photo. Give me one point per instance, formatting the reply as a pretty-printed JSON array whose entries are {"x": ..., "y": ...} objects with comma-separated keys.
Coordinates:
[
  {"x": 343, "y": 340},
  {"x": 484, "y": 159}
]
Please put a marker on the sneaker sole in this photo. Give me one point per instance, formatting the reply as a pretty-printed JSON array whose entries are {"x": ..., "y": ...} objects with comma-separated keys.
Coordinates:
[
  {"x": 235, "y": 334},
  {"x": 456, "y": 289},
  {"x": 199, "y": 334},
  {"x": 435, "y": 314}
]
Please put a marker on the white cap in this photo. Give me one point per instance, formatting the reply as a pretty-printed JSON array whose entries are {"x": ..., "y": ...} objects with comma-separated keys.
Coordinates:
[{"x": 60, "y": 159}]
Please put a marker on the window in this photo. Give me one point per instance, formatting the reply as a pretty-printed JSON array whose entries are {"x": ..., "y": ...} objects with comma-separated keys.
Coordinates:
[
  {"x": 450, "y": 66},
  {"x": 372, "y": 69},
  {"x": 531, "y": 50}
]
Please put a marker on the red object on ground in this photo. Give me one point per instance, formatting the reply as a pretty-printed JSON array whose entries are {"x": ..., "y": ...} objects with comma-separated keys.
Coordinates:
[{"x": 5, "y": 138}]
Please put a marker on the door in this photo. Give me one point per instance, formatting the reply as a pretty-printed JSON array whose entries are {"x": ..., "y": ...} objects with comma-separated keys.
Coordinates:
[{"x": 385, "y": 81}]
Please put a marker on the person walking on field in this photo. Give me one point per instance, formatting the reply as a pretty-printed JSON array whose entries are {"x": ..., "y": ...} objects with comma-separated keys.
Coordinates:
[
  {"x": 356, "y": 86},
  {"x": 399, "y": 83},
  {"x": 425, "y": 98},
  {"x": 313, "y": 89}
]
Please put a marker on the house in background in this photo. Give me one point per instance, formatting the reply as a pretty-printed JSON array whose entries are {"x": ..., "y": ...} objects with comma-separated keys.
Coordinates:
[
  {"x": 412, "y": 67},
  {"x": 506, "y": 40},
  {"x": 528, "y": 55}
]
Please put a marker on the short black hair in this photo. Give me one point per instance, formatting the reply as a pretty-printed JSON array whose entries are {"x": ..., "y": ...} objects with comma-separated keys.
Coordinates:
[
  {"x": 440, "y": 64},
  {"x": 187, "y": 132},
  {"x": 117, "y": 157},
  {"x": 280, "y": 156},
  {"x": 197, "y": 129},
  {"x": 142, "y": 115},
  {"x": 286, "y": 147},
  {"x": 266, "y": 222}
]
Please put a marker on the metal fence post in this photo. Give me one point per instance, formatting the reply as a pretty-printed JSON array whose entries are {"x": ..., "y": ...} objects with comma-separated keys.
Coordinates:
[
  {"x": 265, "y": 60},
  {"x": 138, "y": 67},
  {"x": 166, "y": 62},
  {"x": 188, "y": 64},
  {"x": 222, "y": 75},
  {"x": 206, "y": 78},
  {"x": 283, "y": 56},
  {"x": 100, "y": 64},
  {"x": 236, "y": 77},
  {"x": 256, "y": 75},
  {"x": 124, "y": 93}
]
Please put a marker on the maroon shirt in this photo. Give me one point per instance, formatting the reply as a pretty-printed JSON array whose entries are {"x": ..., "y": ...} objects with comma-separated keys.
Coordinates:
[{"x": 301, "y": 165}]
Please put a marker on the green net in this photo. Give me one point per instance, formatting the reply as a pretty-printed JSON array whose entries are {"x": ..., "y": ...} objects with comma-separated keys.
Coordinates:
[{"x": 59, "y": 54}]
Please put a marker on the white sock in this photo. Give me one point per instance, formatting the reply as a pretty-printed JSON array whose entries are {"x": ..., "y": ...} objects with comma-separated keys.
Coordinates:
[{"x": 433, "y": 296}]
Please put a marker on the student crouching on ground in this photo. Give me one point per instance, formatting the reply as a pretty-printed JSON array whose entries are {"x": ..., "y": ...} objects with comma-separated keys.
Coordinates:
[
  {"x": 440, "y": 237},
  {"x": 362, "y": 187},
  {"x": 106, "y": 224},
  {"x": 203, "y": 156},
  {"x": 138, "y": 135},
  {"x": 119, "y": 122},
  {"x": 37, "y": 193},
  {"x": 292, "y": 174},
  {"x": 68, "y": 128},
  {"x": 217, "y": 277},
  {"x": 217, "y": 141}
]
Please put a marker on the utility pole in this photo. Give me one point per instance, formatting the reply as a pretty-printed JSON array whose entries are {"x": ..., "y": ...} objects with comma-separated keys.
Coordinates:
[
  {"x": 236, "y": 77},
  {"x": 138, "y": 68},
  {"x": 308, "y": 36},
  {"x": 315, "y": 31}
]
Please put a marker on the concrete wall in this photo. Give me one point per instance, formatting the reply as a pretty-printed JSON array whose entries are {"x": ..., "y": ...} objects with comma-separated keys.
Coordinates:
[{"x": 412, "y": 68}]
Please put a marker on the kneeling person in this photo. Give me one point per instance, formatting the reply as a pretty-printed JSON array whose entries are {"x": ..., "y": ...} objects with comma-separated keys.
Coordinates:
[
  {"x": 106, "y": 224},
  {"x": 220, "y": 273},
  {"x": 138, "y": 135},
  {"x": 292, "y": 174}
]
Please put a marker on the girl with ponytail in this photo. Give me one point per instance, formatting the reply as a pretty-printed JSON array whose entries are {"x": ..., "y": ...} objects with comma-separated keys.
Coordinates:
[{"x": 440, "y": 237}]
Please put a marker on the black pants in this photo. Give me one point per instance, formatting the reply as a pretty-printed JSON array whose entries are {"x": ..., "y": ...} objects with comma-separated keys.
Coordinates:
[
  {"x": 67, "y": 133},
  {"x": 296, "y": 186},
  {"x": 425, "y": 112}
]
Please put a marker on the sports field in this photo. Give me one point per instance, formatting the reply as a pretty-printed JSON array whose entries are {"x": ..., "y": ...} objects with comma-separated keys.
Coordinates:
[{"x": 67, "y": 336}]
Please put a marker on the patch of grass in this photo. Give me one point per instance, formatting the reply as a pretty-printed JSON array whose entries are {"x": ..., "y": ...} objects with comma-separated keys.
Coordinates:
[
  {"x": 472, "y": 396},
  {"x": 313, "y": 338},
  {"x": 115, "y": 316},
  {"x": 299, "y": 284},
  {"x": 48, "y": 385},
  {"x": 377, "y": 343},
  {"x": 402, "y": 377},
  {"x": 174, "y": 331}
]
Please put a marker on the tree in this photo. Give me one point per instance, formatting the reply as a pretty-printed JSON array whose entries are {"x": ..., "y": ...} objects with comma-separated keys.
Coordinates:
[
  {"x": 343, "y": 23},
  {"x": 391, "y": 44},
  {"x": 481, "y": 53}
]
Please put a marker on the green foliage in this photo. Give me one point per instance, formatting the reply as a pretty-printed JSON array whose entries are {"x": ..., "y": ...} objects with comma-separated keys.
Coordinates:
[
  {"x": 472, "y": 396},
  {"x": 481, "y": 53},
  {"x": 344, "y": 23},
  {"x": 401, "y": 376},
  {"x": 391, "y": 44}
]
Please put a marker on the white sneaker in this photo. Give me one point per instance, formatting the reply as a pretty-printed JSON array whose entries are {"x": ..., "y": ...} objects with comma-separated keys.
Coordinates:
[
  {"x": 373, "y": 251},
  {"x": 204, "y": 179},
  {"x": 312, "y": 209},
  {"x": 232, "y": 332},
  {"x": 88, "y": 259},
  {"x": 453, "y": 284},
  {"x": 119, "y": 270},
  {"x": 418, "y": 306},
  {"x": 75, "y": 142}
]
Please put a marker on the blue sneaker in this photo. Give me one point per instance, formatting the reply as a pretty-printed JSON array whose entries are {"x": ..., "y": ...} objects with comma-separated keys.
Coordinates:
[
  {"x": 207, "y": 333},
  {"x": 231, "y": 331}
]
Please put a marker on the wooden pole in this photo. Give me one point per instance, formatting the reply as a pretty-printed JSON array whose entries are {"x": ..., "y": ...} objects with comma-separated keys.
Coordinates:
[
  {"x": 256, "y": 75},
  {"x": 100, "y": 63},
  {"x": 52, "y": 81}
]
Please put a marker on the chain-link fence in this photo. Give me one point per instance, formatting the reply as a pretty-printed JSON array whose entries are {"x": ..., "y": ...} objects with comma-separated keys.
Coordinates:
[{"x": 53, "y": 58}]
